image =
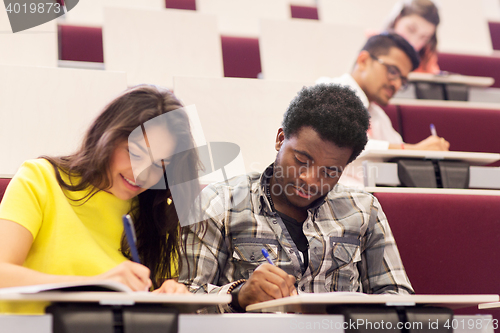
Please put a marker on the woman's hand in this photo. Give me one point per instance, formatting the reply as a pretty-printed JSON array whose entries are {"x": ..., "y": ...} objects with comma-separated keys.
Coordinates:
[
  {"x": 131, "y": 274},
  {"x": 172, "y": 287}
]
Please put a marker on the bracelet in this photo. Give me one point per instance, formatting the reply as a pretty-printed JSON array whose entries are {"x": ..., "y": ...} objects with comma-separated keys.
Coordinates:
[
  {"x": 234, "y": 291},
  {"x": 236, "y": 284}
]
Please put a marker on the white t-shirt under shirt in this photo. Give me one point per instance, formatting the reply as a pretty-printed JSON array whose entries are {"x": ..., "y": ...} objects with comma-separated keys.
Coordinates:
[{"x": 380, "y": 134}]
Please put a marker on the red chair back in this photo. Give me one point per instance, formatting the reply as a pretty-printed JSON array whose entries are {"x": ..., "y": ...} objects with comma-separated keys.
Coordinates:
[
  {"x": 471, "y": 130},
  {"x": 449, "y": 244},
  {"x": 181, "y": 4},
  {"x": 304, "y": 12},
  {"x": 78, "y": 43},
  {"x": 3, "y": 186},
  {"x": 241, "y": 57},
  {"x": 474, "y": 65}
]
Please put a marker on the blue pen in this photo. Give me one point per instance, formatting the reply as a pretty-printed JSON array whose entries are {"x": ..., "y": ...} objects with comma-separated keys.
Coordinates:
[
  {"x": 267, "y": 256},
  {"x": 433, "y": 130},
  {"x": 131, "y": 238}
]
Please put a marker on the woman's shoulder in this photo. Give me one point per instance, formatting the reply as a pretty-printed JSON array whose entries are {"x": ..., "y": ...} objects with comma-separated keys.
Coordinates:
[
  {"x": 42, "y": 171},
  {"x": 39, "y": 166}
]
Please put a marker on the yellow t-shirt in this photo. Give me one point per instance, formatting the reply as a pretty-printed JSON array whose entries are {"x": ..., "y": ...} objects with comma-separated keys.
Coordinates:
[{"x": 69, "y": 238}]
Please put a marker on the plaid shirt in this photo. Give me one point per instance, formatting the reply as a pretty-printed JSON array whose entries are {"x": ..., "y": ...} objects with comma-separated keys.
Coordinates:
[{"x": 351, "y": 246}]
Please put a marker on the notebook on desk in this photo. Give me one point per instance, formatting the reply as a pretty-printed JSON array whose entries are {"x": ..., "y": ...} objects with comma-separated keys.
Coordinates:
[
  {"x": 318, "y": 303},
  {"x": 94, "y": 285},
  {"x": 108, "y": 293}
]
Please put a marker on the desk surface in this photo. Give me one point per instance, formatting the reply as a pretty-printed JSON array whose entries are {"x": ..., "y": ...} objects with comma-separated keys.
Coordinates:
[
  {"x": 492, "y": 305},
  {"x": 431, "y": 190},
  {"x": 472, "y": 158},
  {"x": 247, "y": 323},
  {"x": 317, "y": 303},
  {"x": 478, "y": 81},
  {"x": 185, "y": 303},
  {"x": 446, "y": 104}
]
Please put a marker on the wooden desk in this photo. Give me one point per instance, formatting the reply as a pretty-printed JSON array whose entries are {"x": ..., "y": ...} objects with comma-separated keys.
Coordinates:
[
  {"x": 152, "y": 46},
  {"x": 312, "y": 44},
  {"x": 317, "y": 303},
  {"x": 184, "y": 303},
  {"x": 241, "y": 323},
  {"x": 493, "y": 305},
  {"x": 62, "y": 103},
  {"x": 241, "y": 17},
  {"x": 377, "y": 169},
  {"x": 470, "y": 157},
  {"x": 448, "y": 78}
]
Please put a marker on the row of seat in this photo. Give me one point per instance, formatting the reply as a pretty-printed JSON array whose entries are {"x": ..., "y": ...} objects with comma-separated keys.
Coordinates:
[
  {"x": 468, "y": 129},
  {"x": 242, "y": 56},
  {"x": 447, "y": 242},
  {"x": 297, "y": 11},
  {"x": 240, "y": 17},
  {"x": 311, "y": 12}
]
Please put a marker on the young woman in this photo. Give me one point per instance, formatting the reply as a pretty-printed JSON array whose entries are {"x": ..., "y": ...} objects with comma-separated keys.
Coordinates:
[
  {"x": 417, "y": 21},
  {"x": 61, "y": 217}
]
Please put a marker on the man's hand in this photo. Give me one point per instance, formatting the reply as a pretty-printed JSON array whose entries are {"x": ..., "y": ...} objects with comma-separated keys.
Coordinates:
[
  {"x": 266, "y": 283},
  {"x": 432, "y": 142}
]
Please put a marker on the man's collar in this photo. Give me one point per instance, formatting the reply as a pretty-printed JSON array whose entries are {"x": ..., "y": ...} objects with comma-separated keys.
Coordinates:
[
  {"x": 265, "y": 180},
  {"x": 357, "y": 89}
]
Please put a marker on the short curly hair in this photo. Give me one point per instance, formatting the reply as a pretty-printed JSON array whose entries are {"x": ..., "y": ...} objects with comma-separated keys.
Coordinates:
[{"x": 334, "y": 112}]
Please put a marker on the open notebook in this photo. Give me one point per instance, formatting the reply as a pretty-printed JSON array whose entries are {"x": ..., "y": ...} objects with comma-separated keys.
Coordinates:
[
  {"x": 319, "y": 302},
  {"x": 93, "y": 285},
  {"x": 108, "y": 293}
]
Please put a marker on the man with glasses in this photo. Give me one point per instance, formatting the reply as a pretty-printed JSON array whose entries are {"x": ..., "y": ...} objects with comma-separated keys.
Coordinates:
[{"x": 381, "y": 69}]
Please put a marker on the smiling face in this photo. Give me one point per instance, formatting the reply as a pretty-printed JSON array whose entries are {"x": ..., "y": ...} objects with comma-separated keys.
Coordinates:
[
  {"x": 373, "y": 77},
  {"x": 306, "y": 169},
  {"x": 415, "y": 29},
  {"x": 135, "y": 167}
]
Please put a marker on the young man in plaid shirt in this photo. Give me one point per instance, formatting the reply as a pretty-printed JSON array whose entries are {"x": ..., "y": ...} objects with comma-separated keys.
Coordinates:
[{"x": 321, "y": 236}]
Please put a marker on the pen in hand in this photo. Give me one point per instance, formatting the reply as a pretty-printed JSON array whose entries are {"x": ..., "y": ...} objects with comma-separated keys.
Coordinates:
[
  {"x": 269, "y": 260},
  {"x": 433, "y": 130},
  {"x": 131, "y": 238},
  {"x": 267, "y": 256}
]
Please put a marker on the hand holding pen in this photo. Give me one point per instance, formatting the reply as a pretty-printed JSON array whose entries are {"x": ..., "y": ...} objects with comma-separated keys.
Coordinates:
[
  {"x": 267, "y": 282},
  {"x": 132, "y": 274}
]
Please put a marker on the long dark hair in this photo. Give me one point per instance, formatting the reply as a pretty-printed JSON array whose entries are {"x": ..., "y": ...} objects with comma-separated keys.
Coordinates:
[{"x": 153, "y": 211}]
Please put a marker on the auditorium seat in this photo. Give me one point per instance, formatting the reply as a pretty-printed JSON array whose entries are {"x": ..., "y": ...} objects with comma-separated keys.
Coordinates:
[
  {"x": 3, "y": 186},
  {"x": 307, "y": 49},
  {"x": 181, "y": 4},
  {"x": 471, "y": 130},
  {"x": 495, "y": 34},
  {"x": 241, "y": 57},
  {"x": 474, "y": 65},
  {"x": 80, "y": 43},
  {"x": 189, "y": 46},
  {"x": 448, "y": 243},
  {"x": 304, "y": 12}
]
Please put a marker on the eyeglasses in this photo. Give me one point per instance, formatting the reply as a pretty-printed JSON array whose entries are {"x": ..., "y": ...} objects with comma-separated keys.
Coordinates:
[{"x": 393, "y": 72}]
